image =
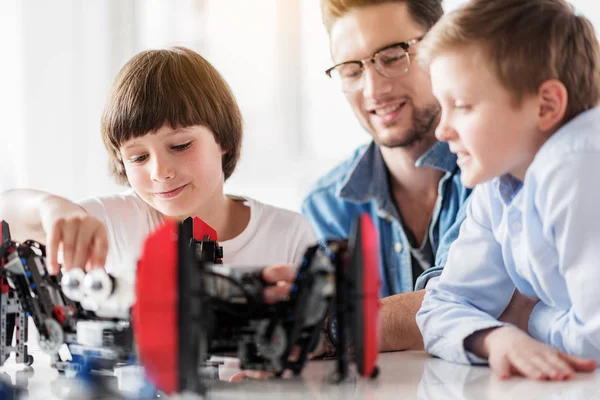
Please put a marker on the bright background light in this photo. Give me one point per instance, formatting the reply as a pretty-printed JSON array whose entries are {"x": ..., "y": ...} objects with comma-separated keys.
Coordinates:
[{"x": 60, "y": 57}]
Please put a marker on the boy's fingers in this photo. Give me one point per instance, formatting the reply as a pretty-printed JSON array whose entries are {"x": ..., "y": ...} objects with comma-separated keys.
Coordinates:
[
  {"x": 276, "y": 273},
  {"x": 53, "y": 239},
  {"x": 295, "y": 353},
  {"x": 551, "y": 366},
  {"x": 578, "y": 363},
  {"x": 258, "y": 375},
  {"x": 250, "y": 374},
  {"x": 99, "y": 248},
  {"x": 278, "y": 292},
  {"x": 527, "y": 369},
  {"x": 502, "y": 368},
  {"x": 83, "y": 244},
  {"x": 320, "y": 350},
  {"x": 69, "y": 242},
  {"x": 238, "y": 377}
]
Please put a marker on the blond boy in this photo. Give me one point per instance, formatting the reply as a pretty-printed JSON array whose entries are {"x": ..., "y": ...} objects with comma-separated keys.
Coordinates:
[{"x": 519, "y": 85}]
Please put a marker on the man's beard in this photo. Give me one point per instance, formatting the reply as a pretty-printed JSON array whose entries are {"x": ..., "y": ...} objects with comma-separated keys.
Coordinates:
[{"x": 423, "y": 121}]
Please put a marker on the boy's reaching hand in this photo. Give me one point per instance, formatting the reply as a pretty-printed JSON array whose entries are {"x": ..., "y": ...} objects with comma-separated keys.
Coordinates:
[
  {"x": 510, "y": 351},
  {"x": 82, "y": 238},
  {"x": 281, "y": 278}
]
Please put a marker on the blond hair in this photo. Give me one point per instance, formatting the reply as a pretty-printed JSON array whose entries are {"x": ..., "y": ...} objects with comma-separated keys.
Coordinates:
[
  {"x": 526, "y": 42},
  {"x": 424, "y": 12},
  {"x": 174, "y": 86}
]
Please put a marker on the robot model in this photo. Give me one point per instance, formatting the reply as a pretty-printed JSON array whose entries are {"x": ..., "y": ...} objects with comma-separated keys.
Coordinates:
[
  {"x": 189, "y": 308},
  {"x": 94, "y": 341}
]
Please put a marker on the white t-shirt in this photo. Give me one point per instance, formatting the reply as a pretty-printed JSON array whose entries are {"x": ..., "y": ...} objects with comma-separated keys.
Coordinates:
[{"x": 273, "y": 235}]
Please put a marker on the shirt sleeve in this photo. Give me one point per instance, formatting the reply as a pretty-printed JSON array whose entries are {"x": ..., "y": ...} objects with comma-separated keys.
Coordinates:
[
  {"x": 473, "y": 289},
  {"x": 304, "y": 238},
  {"x": 568, "y": 199}
]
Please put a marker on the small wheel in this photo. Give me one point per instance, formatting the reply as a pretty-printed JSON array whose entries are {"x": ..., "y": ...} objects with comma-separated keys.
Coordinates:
[
  {"x": 271, "y": 348},
  {"x": 54, "y": 337},
  {"x": 29, "y": 361}
]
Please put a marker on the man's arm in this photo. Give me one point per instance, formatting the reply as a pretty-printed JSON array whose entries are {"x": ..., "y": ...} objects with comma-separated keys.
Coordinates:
[{"x": 398, "y": 325}]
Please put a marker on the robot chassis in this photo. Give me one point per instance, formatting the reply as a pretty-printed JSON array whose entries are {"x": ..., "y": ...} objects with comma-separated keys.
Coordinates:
[{"x": 187, "y": 300}]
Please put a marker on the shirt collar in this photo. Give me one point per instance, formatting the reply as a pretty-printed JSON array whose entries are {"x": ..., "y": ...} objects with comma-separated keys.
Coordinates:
[
  {"x": 507, "y": 187},
  {"x": 367, "y": 178}
]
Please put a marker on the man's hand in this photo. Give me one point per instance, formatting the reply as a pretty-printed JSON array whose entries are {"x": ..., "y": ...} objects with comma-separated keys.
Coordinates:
[
  {"x": 281, "y": 277},
  {"x": 519, "y": 310},
  {"x": 510, "y": 351}
]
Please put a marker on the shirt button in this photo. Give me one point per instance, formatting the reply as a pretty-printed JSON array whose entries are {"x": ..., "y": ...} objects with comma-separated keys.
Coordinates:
[{"x": 398, "y": 247}]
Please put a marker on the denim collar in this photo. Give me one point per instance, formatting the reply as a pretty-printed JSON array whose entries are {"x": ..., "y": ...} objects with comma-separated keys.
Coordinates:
[{"x": 367, "y": 178}]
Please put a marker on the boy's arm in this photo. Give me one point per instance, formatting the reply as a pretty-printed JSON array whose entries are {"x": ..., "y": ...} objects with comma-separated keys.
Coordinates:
[
  {"x": 27, "y": 211},
  {"x": 58, "y": 223},
  {"x": 569, "y": 200},
  {"x": 472, "y": 291}
]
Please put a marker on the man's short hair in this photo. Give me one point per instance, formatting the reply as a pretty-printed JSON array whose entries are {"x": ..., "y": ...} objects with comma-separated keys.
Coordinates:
[
  {"x": 526, "y": 42},
  {"x": 173, "y": 86},
  {"x": 424, "y": 12}
]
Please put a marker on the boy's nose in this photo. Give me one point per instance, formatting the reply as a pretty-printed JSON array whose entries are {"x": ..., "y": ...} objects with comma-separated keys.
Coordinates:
[
  {"x": 444, "y": 132},
  {"x": 162, "y": 171}
]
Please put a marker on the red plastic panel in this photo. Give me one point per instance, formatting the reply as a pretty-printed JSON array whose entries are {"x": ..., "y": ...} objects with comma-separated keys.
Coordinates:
[
  {"x": 154, "y": 314},
  {"x": 371, "y": 288},
  {"x": 202, "y": 229}
]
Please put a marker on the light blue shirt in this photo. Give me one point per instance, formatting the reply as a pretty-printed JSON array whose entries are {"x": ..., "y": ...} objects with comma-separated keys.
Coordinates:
[{"x": 541, "y": 237}]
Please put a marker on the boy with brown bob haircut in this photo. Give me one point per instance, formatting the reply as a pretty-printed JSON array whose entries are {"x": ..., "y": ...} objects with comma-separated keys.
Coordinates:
[
  {"x": 519, "y": 86},
  {"x": 173, "y": 131}
]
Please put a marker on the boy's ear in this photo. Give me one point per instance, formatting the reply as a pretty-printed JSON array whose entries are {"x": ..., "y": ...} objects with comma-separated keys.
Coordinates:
[{"x": 554, "y": 98}]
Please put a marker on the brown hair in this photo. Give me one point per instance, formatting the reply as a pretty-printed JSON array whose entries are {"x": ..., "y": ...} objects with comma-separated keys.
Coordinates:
[
  {"x": 425, "y": 12},
  {"x": 174, "y": 86},
  {"x": 527, "y": 42}
]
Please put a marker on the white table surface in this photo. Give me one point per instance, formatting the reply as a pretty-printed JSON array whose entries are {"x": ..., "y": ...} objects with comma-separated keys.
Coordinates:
[{"x": 404, "y": 375}]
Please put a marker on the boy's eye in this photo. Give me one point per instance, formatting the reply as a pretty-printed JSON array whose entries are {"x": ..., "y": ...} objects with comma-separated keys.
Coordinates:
[
  {"x": 181, "y": 146},
  {"x": 461, "y": 106},
  {"x": 138, "y": 159}
]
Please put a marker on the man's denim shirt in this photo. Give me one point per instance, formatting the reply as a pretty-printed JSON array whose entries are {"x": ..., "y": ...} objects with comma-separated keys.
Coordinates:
[{"x": 360, "y": 185}]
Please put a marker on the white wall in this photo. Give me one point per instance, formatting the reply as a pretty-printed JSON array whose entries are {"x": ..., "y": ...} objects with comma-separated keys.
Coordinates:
[
  {"x": 64, "y": 54},
  {"x": 11, "y": 110},
  {"x": 67, "y": 52}
]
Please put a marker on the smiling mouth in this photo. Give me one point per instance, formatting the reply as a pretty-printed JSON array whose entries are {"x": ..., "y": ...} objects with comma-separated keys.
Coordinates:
[
  {"x": 462, "y": 157},
  {"x": 170, "y": 194},
  {"x": 388, "y": 110}
]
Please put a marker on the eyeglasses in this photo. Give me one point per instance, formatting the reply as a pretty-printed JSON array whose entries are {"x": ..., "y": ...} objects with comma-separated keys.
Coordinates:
[{"x": 391, "y": 61}]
